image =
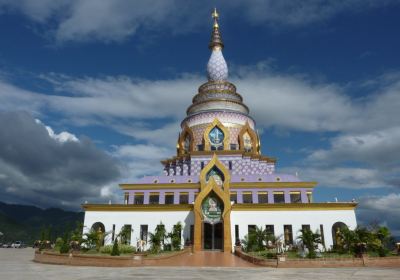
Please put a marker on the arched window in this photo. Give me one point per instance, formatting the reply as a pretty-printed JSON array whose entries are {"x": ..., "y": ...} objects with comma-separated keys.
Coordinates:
[
  {"x": 247, "y": 142},
  {"x": 186, "y": 143},
  {"x": 216, "y": 137},
  {"x": 217, "y": 175},
  {"x": 337, "y": 230},
  {"x": 99, "y": 228}
]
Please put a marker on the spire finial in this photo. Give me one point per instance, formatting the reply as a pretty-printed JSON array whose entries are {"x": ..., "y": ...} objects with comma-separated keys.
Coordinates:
[
  {"x": 215, "y": 16},
  {"x": 216, "y": 40},
  {"x": 217, "y": 70}
]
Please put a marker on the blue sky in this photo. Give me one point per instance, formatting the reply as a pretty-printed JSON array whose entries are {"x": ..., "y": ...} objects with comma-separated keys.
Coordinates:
[{"x": 111, "y": 80}]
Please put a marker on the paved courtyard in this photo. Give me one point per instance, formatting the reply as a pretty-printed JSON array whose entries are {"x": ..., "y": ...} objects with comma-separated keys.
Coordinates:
[{"x": 17, "y": 264}]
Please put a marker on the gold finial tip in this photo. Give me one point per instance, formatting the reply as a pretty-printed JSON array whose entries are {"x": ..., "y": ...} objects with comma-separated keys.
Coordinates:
[{"x": 215, "y": 14}]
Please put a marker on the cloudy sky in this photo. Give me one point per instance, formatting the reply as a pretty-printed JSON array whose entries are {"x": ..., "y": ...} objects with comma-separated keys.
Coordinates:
[{"x": 92, "y": 93}]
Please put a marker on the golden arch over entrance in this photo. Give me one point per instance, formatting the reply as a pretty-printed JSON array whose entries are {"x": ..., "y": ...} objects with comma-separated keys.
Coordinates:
[{"x": 221, "y": 193}]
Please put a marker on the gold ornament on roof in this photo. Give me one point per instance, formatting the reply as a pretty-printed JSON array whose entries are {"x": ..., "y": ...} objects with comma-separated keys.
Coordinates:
[
  {"x": 215, "y": 16},
  {"x": 216, "y": 40}
]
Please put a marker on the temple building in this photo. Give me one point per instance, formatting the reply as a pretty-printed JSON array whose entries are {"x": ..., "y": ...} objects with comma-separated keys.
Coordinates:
[{"x": 219, "y": 185}]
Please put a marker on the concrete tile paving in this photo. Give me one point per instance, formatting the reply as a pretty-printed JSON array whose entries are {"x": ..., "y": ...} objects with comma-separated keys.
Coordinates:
[{"x": 17, "y": 264}]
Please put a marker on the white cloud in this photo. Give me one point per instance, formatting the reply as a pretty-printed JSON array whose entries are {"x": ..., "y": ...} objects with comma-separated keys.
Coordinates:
[
  {"x": 141, "y": 159},
  {"x": 293, "y": 102},
  {"x": 342, "y": 177},
  {"x": 150, "y": 111},
  {"x": 290, "y": 102},
  {"x": 380, "y": 147},
  {"x": 142, "y": 152},
  {"x": 62, "y": 137},
  {"x": 385, "y": 209}
]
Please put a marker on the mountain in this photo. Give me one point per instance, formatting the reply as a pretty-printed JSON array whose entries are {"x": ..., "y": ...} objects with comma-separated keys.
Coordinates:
[{"x": 29, "y": 223}]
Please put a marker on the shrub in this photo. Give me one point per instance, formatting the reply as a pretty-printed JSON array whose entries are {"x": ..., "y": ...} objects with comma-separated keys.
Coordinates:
[
  {"x": 167, "y": 247},
  {"x": 123, "y": 249},
  {"x": 268, "y": 255},
  {"x": 58, "y": 244},
  {"x": 126, "y": 249},
  {"x": 106, "y": 249},
  {"x": 115, "y": 249},
  {"x": 64, "y": 249}
]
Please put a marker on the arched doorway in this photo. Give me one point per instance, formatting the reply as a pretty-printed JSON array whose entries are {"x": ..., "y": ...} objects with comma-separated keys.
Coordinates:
[
  {"x": 100, "y": 229},
  {"x": 213, "y": 228},
  {"x": 337, "y": 228}
]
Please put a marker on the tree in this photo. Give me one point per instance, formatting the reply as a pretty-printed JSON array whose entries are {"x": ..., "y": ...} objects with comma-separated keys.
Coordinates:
[
  {"x": 255, "y": 240},
  {"x": 76, "y": 234},
  {"x": 310, "y": 240},
  {"x": 115, "y": 249},
  {"x": 347, "y": 240},
  {"x": 362, "y": 239},
  {"x": 94, "y": 239},
  {"x": 175, "y": 236},
  {"x": 125, "y": 234},
  {"x": 157, "y": 238}
]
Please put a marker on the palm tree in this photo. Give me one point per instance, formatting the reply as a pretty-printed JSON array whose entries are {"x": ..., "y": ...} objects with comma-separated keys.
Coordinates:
[
  {"x": 91, "y": 239},
  {"x": 125, "y": 234},
  {"x": 157, "y": 239},
  {"x": 310, "y": 240},
  {"x": 255, "y": 240},
  {"x": 347, "y": 240},
  {"x": 94, "y": 239}
]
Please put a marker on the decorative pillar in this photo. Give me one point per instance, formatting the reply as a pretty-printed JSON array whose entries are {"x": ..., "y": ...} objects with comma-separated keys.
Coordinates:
[
  {"x": 162, "y": 198},
  {"x": 271, "y": 196},
  {"x": 146, "y": 197},
  {"x": 239, "y": 197},
  {"x": 176, "y": 197},
  {"x": 287, "y": 197},
  {"x": 254, "y": 196},
  {"x": 191, "y": 197},
  {"x": 304, "y": 198}
]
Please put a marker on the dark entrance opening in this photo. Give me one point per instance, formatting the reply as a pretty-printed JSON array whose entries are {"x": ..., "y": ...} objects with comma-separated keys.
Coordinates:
[{"x": 213, "y": 236}]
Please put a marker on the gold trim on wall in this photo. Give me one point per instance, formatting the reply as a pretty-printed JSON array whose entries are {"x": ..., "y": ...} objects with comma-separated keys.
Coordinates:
[
  {"x": 159, "y": 186},
  {"x": 234, "y": 207},
  {"x": 261, "y": 185},
  {"x": 137, "y": 207},
  {"x": 295, "y": 206}
]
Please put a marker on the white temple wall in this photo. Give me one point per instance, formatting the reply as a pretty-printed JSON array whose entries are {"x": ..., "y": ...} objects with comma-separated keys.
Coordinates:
[
  {"x": 242, "y": 218},
  {"x": 295, "y": 218},
  {"x": 135, "y": 219}
]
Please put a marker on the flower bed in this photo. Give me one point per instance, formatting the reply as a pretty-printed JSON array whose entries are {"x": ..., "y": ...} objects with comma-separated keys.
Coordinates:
[
  {"x": 332, "y": 260},
  {"x": 84, "y": 259}
]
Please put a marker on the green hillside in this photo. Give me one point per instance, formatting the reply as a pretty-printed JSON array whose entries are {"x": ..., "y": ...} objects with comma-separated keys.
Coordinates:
[{"x": 29, "y": 223}]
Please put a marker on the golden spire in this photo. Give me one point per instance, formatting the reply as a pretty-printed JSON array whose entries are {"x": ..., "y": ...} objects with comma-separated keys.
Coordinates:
[
  {"x": 215, "y": 16},
  {"x": 216, "y": 40}
]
